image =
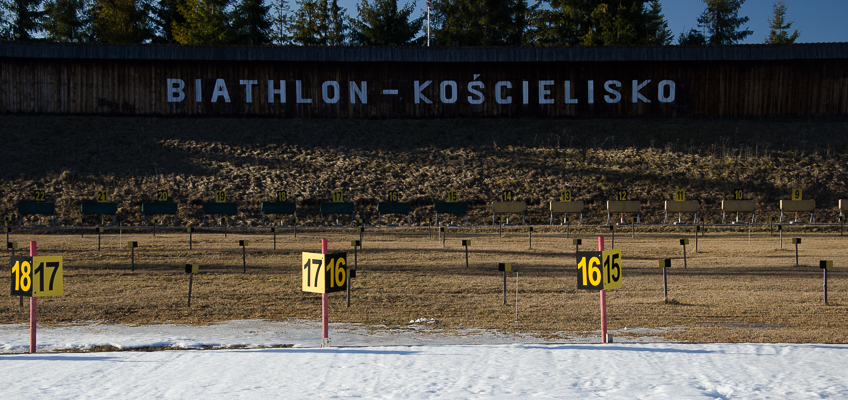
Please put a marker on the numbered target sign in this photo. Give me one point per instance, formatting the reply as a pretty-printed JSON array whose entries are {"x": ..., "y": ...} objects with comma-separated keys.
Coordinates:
[
  {"x": 102, "y": 196},
  {"x": 162, "y": 195},
  {"x": 565, "y": 195},
  {"x": 507, "y": 195},
  {"x": 738, "y": 194},
  {"x": 282, "y": 196},
  {"x": 797, "y": 195},
  {"x": 324, "y": 273},
  {"x": 37, "y": 276},
  {"x": 680, "y": 195},
  {"x": 39, "y": 195},
  {"x": 338, "y": 196},
  {"x": 599, "y": 270},
  {"x": 220, "y": 196},
  {"x": 453, "y": 197},
  {"x": 621, "y": 195},
  {"x": 393, "y": 196}
]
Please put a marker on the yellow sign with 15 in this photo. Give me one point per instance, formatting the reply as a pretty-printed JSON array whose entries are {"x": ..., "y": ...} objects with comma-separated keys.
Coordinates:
[{"x": 599, "y": 270}]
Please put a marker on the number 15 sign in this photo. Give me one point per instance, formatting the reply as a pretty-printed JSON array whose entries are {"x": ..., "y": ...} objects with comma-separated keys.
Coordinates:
[
  {"x": 599, "y": 270},
  {"x": 324, "y": 273}
]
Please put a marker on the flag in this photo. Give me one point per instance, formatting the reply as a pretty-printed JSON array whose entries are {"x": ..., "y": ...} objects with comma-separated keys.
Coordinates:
[{"x": 430, "y": 5}]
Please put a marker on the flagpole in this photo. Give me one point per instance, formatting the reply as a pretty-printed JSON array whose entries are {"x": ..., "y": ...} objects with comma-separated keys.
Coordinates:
[{"x": 429, "y": 7}]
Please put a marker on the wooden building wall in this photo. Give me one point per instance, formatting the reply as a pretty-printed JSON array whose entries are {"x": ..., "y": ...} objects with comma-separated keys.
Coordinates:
[{"x": 734, "y": 81}]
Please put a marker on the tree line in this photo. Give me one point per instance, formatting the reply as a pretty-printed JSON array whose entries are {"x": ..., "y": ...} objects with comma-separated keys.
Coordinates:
[{"x": 377, "y": 23}]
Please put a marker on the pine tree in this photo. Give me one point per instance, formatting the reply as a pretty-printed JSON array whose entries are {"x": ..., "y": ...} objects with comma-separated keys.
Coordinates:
[
  {"x": 280, "y": 21},
  {"x": 166, "y": 16},
  {"x": 206, "y": 22},
  {"x": 121, "y": 21},
  {"x": 600, "y": 23},
  {"x": 67, "y": 20},
  {"x": 721, "y": 18},
  {"x": 480, "y": 22},
  {"x": 382, "y": 24},
  {"x": 251, "y": 23},
  {"x": 319, "y": 23},
  {"x": 779, "y": 33},
  {"x": 692, "y": 38},
  {"x": 22, "y": 19}
]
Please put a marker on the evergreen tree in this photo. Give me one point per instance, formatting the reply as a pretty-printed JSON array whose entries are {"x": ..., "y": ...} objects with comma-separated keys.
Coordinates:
[
  {"x": 166, "y": 16},
  {"x": 206, "y": 22},
  {"x": 721, "y": 18},
  {"x": 121, "y": 21},
  {"x": 779, "y": 33},
  {"x": 67, "y": 20},
  {"x": 280, "y": 21},
  {"x": 22, "y": 19},
  {"x": 599, "y": 23},
  {"x": 251, "y": 24},
  {"x": 480, "y": 22},
  {"x": 692, "y": 38},
  {"x": 382, "y": 24},
  {"x": 319, "y": 23}
]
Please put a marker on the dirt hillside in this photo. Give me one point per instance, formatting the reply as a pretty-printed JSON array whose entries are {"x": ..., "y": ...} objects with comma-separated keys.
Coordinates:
[{"x": 73, "y": 157}]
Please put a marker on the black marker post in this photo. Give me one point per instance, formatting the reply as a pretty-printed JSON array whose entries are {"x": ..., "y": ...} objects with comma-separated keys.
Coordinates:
[
  {"x": 796, "y": 242},
  {"x": 529, "y": 230},
  {"x": 466, "y": 243},
  {"x": 825, "y": 265},
  {"x": 504, "y": 268},
  {"x": 191, "y": 269},
  {"x": 577, "y": 243},
  {"x": 352, "y": 272},
  {"x": 132, "y": 246},
  {"x": 190, "y": 230},
  {"x": 684, "y": 242},
  {"x": 243, "y": 244},
  {"x": 664, "y": 264},
  {"x": 274, "y": 231}
]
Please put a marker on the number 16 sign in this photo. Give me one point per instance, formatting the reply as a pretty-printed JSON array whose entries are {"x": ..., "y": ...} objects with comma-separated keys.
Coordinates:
[
  {"x": 324, "y": 273},
  {"x": 599, "y": 270}
]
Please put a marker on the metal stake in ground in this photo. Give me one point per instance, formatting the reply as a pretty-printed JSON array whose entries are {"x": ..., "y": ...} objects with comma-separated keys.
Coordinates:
[
  {"x": 529, "y": 230},
  {"x": 504, "y": 268},
  {"x": 603, "y": 299},
  {"x": 697, "y": 229},
  {"x": 684, "y": 242},
  {"x": 633, "y": 228},
  {"x": 442, "y": 233},
  {"x": 429, "y": 232},
  {"x": 99, "y": 231},
  {"x": 825, "y": 265},
  {"x": 274, "y": 231},
  {"x": 132, "y": 246},
  {"x": 33, "y": 313},
  {"x": 361, "y": 229},
  {"x": 325, "y": 306},
  {"x": 666, "y": 263},
  {"x": 352, "y": 272},
  {"x": 780, "y": 231},
  {"x": 243, "y": 244},
  {"x": 612, "y": 232},
  {"x": 796, "y": 242},
  {"x": 466, "y": 243},
  {"x": 7, "y": 230},
  {"x": 191, "y": 269}
]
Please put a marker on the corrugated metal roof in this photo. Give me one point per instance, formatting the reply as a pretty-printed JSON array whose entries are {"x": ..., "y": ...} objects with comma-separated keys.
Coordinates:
[{"x": 424, "y": 54}]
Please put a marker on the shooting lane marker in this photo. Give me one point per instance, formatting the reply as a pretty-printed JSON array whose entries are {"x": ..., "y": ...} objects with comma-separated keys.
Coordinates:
[
  {"x": 443, "y": 234},
  {"x": 825, "y": 265},
  {"x": 352, "y": 272},
  {"x": 600, "y": 270},
  {"x": 28, "y": 278},
  {"x": 274, "y": 231},
  {"x": 466, "y": 243},
  {"x": 684, "y": 242},
  {"x": 331, "y": 275},
  {"x": 7, "y": 230},
  {"x": 529, "y": 230},
  {"x": 665, "y": 263},
  {"x": 361, "y": 230},
  {"x": 796, "y": 242},
  {"x": 243, "y": 244},
  {"x": 99, "y": 232},
  {"x": 132, "y": 246},
  {"x": 577, "y": 243},
  {"x": 780, "y": 232},
  {"x": 190, "y": 230},
  {"x": 191, "y": 269}
]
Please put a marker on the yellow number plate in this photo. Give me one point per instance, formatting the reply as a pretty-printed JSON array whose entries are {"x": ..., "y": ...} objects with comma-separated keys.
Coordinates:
[
  {"x": 220, "y": 196},
  {"x": 565, "y": 195},
  {"x": 39, "y": 195},
  {"x": 37, "y": 276},
  {"x": 282, "y": 196},
  {"x": 324, "y": 273},
  {"x": 393, "y": 196},
  {"x": 338, "y": 196},
  {"x": 622, "y": 195},
  {"x": 797, "y": 194},
  {"x": 599, "y": 270},
  {"x": 680, "y": 195},
  {"x": 453, "y": 197},
  {"x": 162, "y": 195},
  {"x": 102, "y": 196}
]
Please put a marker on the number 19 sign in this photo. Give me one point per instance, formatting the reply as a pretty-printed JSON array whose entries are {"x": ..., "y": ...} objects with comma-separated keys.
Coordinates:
[
  {"x": 324, "y": 273},
  {"x": 599, "y": 270},
  {"x": 37, "y": 276}
]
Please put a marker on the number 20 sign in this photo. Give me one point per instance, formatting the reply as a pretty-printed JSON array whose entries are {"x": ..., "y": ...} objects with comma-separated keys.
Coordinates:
[
  {"x": 324, "y": 273},
  {"x": 599, "y": 270},
  {"x": 37, "y": 276}
]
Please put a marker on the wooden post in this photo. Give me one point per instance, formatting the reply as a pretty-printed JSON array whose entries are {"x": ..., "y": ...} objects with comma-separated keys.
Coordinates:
[
  {"x": 603, "y": 300},
  {"x": 325, "y": 308},
  {"x": 33, "y": 309}
]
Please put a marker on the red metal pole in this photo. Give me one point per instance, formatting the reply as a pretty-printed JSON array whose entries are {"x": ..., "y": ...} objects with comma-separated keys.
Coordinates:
[
  {"x": 325, "y": 307},
  {"x": 32, "y": 309},
  {"x": 603, "y": 300}
]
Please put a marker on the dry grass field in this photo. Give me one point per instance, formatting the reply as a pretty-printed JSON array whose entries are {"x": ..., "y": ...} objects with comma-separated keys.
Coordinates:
[{"x": 734, "y": 289}]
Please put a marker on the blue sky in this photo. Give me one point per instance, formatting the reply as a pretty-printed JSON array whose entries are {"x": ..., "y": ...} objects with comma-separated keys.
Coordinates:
[{"x": 817, "y": 20}]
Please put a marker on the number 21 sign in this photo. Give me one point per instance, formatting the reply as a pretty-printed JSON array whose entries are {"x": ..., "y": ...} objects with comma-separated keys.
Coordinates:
[{"x": 599, "y": 270}]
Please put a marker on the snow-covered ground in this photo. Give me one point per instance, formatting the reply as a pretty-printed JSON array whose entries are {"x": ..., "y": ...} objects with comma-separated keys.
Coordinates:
[{"x": 419, "y": 362}]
